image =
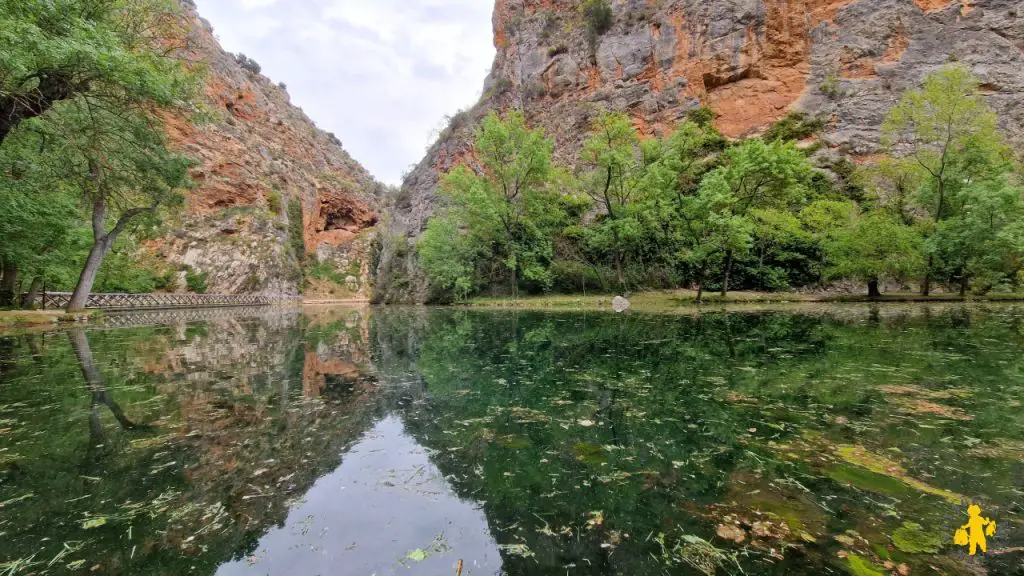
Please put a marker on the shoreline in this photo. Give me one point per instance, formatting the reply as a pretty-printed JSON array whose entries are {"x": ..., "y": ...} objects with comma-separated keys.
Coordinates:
[{"x": 686, "y": 299}]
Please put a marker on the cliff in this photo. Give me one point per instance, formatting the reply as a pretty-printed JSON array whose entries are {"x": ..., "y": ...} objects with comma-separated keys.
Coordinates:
[
  {"x": 272, "y": 188},
  {"x": 751, "y": 61}
]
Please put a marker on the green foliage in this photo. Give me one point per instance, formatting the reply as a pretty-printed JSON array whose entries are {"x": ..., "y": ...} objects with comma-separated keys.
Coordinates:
[
  {"x": 599, "y": 16},
  {"x": 692, "y": 209},
  {"x": 497, "y": 225},
  {"x": 83, "y": 85},
  {"x": 874, "y": 247},
  {"x": 112, "y": 53},
  {"x": 274, "y": 202},
  {"x": 795, "y": 126},
  {"x": 248, "y": 64},
  {"x": 122, "y": 273},
  {"x": 960, "y": 173},
  {"x": 831, "y": 86},
  {"x": 296, "y": 230},
  {"x": 325, "y": 270},
  {"x": 196, "y": 281},
  {"x": 702, "y": 116}
]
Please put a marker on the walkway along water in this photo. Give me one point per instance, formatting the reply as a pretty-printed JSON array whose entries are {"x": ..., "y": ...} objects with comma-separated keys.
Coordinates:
[{"x": 56, "y": 300}]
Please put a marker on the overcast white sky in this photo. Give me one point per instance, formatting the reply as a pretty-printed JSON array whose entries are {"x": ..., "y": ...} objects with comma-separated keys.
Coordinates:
[{"x": 380, "y": 74}]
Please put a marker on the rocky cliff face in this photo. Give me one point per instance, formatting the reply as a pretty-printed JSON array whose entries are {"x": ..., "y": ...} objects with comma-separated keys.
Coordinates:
[
  {"x": 750, "y": 61},
  {"x": 271, "y": 188}
]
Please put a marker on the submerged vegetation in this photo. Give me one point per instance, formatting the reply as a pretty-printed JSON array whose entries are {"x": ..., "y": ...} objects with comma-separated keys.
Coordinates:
[
  {"x": 844, "y": 441},
  {"x": 691, "y": 209}
]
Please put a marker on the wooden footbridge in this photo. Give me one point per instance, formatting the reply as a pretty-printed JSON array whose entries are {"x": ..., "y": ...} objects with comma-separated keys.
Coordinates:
[{"x": 57, "y": 300}]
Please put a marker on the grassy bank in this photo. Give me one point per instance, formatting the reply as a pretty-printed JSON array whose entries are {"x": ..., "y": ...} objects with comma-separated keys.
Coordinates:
[
  {"x": 674, "y": 299},
  {"x": 12, "y": 319}
]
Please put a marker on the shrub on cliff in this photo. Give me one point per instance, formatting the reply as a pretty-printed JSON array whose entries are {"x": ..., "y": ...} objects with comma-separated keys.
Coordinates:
[
  {"x": 248, "y": 64},
  {"x": 599, "y": 15}
]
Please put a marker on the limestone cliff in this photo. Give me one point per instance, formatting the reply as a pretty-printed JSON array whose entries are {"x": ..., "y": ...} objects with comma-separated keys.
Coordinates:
[
  {"x": 262, "y": 165},
  {"x": 750, "y": 61}
]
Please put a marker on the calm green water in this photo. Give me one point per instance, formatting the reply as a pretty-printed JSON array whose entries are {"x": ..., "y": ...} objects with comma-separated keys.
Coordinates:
[{"x": 401, "y": 441}]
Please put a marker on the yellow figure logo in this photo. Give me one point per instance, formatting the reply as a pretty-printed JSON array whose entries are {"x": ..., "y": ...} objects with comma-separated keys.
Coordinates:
[{"x": 973, "y": 533}]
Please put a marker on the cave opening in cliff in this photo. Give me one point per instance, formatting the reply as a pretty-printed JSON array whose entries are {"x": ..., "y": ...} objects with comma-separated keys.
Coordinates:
[{"x": 345, "y": 216}]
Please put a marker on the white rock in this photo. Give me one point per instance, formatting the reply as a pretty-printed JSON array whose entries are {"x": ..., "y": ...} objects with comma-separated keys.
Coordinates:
[{"x": 620, "y": 304}]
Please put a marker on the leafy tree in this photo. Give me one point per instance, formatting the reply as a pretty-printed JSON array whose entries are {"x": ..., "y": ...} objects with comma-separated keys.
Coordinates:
[
  {"x": 693, "y": 229},
  {"x": 983, "y": 241},
  {"x": 121, "y": 166},
  {"x": 506, "y": 212},
  {"x": 115, "y": 53},
  {"x": 759, "y": 175},
  {"x": 39, "y": 218},
  {"x": 616, "y": 165},
  {"x": 449, "y": 254},
  {"x": 949, "y": 132},
  {"x": 774, "y": 230},
  {"x": 873, "y": 247}
]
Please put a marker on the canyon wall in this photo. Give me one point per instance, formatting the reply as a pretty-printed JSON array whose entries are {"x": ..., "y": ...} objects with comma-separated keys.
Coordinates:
[
  {"x": 751, "y": 61},
  {"x": 271, "y": 188}
]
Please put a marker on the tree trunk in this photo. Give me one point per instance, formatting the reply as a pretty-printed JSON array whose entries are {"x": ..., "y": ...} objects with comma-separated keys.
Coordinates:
[
  {"x": 80, "y": 297},
  {"x": 29, "y": 301},
  {"x": 926, "y": 284},
  {"x": 873, "y": 291},
  {"x": 964, "y": 281},
  {"x": 700, "y": 285},
  {"x": 8, "y": 284},
  {"x": 728, "y": 271}
]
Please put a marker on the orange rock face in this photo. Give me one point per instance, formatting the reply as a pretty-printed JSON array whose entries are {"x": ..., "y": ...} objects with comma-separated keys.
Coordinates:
[
  {"x": 751, "y": 62},
  {"x": 257, "y": 156}
]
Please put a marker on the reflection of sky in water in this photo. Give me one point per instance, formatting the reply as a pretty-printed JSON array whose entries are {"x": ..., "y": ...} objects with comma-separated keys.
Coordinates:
[{"x": 385, "y": 500}]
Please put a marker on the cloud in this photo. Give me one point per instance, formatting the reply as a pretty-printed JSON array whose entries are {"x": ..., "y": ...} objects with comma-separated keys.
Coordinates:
[{"x": 380, "y": 74}]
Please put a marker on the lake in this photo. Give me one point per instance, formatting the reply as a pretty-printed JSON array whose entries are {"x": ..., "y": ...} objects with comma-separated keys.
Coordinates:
[{"x": 362, "y": 441}]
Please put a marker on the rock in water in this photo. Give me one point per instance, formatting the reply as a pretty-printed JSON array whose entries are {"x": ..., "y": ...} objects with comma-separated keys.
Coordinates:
[{"x": 620, "y": 304}]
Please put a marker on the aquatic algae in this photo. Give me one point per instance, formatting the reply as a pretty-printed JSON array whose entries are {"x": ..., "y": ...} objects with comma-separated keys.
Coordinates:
[
  {"x": 914, "y": 539},
  {"x": 867, "y": 480},
  {"x": 860, "y": 567},
  {"x": 860, "y": 456},
  {"x": 589, "y": 453}
]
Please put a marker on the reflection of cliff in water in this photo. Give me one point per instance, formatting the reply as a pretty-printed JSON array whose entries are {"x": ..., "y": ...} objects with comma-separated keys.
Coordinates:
[
  {"x": 197, "y": 435},
  {"x": 603, "y": 442}
]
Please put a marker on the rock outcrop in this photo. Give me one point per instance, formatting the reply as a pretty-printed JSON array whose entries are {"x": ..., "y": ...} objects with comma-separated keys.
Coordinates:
[
  {"x": 751, "y": 61},
  {"x": 262, "y": 165}
]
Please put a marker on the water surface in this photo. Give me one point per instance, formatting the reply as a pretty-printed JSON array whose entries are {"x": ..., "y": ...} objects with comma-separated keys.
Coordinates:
[{"x": 826, "y": 440}]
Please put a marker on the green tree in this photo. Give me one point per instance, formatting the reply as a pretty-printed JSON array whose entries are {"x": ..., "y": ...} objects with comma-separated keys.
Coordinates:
[
  {"x": 121, "y": 166},
  {"x": 616, "y": 163},
  {"x": 983, "y": 240},
  {"x": 949, "y": 132},
  {"x": 116, "y": 53},
  {"x": 759, "y": 175},
  {"x": 506, "y": 213},
  {"x": 873, "y": 247},
  {"x": 691, "y": 228},
  {"x": 39, "y": 220}
]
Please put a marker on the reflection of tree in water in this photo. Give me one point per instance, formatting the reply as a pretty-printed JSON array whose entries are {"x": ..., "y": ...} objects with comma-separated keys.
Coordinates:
[
  {"x": 230, "y": 440},
  {"x": 667, "y": 425},
  {"x": 99, "y": 394}
]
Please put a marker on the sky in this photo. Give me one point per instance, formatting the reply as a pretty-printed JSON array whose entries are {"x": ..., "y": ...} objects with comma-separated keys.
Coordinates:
[{"x": 380, "y": 74}]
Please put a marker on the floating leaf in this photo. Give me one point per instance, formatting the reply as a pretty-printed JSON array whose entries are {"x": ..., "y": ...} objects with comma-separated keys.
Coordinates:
[
  {"x": 417, "y": 555},
  {"x": 94, "y": 522}
]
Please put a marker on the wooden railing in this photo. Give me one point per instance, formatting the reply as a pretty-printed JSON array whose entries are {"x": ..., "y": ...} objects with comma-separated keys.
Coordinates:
[
  {"x": 169, "y": 316},
  {"x": 57, "y": 300}
]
